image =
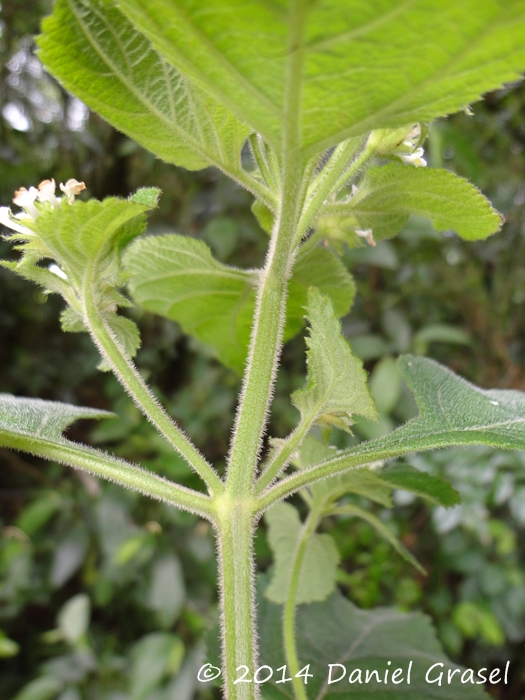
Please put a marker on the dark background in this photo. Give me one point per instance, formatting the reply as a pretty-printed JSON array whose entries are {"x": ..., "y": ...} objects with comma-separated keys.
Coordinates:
[{"x": 149, "y": 570}]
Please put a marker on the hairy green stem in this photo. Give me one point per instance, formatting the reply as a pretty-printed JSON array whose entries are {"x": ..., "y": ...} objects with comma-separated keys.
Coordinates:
[
  {"x": 283, "y": 456},
  {"x": 131, "y": 380},
  {"x": 235, "y": 523},
  {"x": 369, "y": 452},
  {"x": 290, "y": 646},
  {"x": 258, "y": 149},
  {"x": 324, "y": 184},
  {"x": 266, "y": 340},
  {"x": 113, "y": 469}
]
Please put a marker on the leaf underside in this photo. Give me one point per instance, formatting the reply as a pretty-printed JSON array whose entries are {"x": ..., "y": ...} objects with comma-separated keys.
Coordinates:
[
  {"x": 388, "y": 195},
  {"x": 96, "y": 53},
  {"x": 364, "y": 65},
  {"x": 452, "y": 411},
  {"x": 177, "y": 277},
  {"x": 318, "y": 571},
  {"x": 335, "y": 631}
]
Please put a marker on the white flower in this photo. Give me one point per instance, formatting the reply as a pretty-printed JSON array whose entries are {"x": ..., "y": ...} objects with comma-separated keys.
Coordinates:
[
  {"x": 72, "y": 188},
  {"x": 7, "y": 219},
  {"x": 367, "y": 235},
  {"x": 26, "y": 200},
  {"x": 412, "y": 138},
  {"x": 415, "y": 158},
  {"x": 57, "y": 271},
  {"x": 46, "y": 192}
]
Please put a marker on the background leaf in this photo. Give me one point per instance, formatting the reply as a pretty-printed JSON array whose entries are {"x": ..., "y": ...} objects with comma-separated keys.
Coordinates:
[
  {"x": 318, "y": 572},
  {"x": 73, "y": 618},
  {"x": 335, "y": 631}
]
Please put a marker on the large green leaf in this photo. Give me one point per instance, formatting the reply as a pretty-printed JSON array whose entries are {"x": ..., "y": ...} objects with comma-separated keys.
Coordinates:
[
  {"x": 177, "y": 277},
  {"x": 336, "y": 386},
  {"x": 388, "y": 195},
  {"x": 362, "y": 65},
  {"x": 452, "y": 411},
  {"x": 319, "y": 568},
  {"x": 92, "y": 48},
  {"x": 336, "y": 632}
]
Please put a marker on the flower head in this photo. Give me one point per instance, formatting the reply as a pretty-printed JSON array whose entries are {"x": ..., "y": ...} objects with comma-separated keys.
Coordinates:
[
  {"x": 31, "y": 201},
  {"x": 415, "y": 158},
  {"x": 25, "y": 199},
  {"x": 367, "y": 235},
  {"x": 46, "y": 192},
  {"x": 71, "y": 188}
]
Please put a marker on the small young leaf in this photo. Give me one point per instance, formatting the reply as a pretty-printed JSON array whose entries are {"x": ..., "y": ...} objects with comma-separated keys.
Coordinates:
[
  {"x": 432, "y": 488},
  {"x": 317, "y": 578},
  {"x": 336, "y": 631},
  {"x": 358, "y": 65},
  {"x": 177, "y": 277},
  {"x": 336, "y": 383},
  {"x": 97, "y": 53},
  {"x": 389, "y": 194}
]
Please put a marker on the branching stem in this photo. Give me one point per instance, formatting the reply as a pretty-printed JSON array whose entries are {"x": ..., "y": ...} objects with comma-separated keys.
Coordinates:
[{"x": 131, "y": 380}]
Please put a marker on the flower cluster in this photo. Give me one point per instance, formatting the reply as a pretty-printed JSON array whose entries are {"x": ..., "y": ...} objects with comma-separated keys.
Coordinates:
[{"x": 30, "y": 199}]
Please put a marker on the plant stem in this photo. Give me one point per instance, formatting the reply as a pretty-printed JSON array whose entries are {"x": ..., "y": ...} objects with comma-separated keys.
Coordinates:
[
  {"x": 131, "y": 380},
  {"x": 266, "y": 340},
  {"x": 324, "y": 183},
  {"x": 236, "y": 575},
  {"x": 337, "y": 176},
  {"x": 282, "y": 458},
  {"x": 114, "y": 469},
  {"x": 290, "y": 646}
]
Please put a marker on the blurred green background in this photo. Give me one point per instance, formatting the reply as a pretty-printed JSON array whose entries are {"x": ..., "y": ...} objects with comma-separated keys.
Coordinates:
[{"x": 107, "y": 596}]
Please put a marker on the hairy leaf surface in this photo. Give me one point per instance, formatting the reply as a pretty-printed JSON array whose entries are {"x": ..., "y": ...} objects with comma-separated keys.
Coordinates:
[
  {"x": 452, "y": 411},
  {"x": 177, "y": 277},
  {"x": 318, "y": 572},
  {"x": 362, "y": 65},
  {"x": 337, "y": 632},
  {"x": 43, "y": 419},
  {"x": 336, "y": 383},
  {"x": 96, "y": 53},
  {"x": 85, "y": 241},
  {"x": 388, "y": 195}
]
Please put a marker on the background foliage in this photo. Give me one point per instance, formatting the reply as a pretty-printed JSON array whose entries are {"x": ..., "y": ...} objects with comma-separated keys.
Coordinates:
[{"x": 104, "y": 595}]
